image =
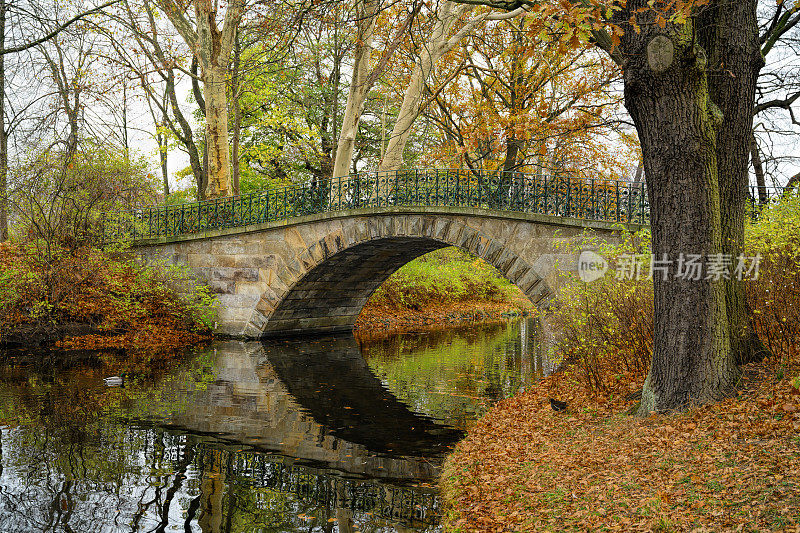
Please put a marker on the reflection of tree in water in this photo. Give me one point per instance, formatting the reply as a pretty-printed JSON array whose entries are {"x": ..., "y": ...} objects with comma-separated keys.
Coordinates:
[
  {"x": 66, "y": 465},
  {"x": 454, "y": 375},
  {"x": 149, "y": 479}
]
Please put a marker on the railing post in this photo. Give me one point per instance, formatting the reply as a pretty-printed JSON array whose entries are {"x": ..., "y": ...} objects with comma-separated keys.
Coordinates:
[
  {"x": 546, "y": 186},
  {"x": 396, "y": 188},
  {"x": 642, "y": 193}
]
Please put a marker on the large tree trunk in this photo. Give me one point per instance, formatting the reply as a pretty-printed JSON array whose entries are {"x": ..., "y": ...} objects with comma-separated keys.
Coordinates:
[
  {"x": 218, "y": 149},
  {"x": 667, "y": 97},
  {"x": 730, "y": 36},
  {"x": 357, "y": 96},
  {"x": 237, "y": 115}
]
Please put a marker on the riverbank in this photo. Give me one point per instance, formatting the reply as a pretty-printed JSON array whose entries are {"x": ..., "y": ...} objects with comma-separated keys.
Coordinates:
[
  {"x": 379, "y": 320},
  {"x": 730, "y": 466},
  {"x": 443, "y": 289},
  {"x": 88, "y": 299}
]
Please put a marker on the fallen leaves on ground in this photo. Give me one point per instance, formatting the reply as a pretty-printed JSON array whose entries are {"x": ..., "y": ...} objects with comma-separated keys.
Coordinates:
[
  {"x": 730, "y": 466},
  {"x": 380, "y": 320}
]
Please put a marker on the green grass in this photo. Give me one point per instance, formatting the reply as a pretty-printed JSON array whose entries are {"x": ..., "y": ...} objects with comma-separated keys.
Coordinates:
[{"x": 444, "y": 276}]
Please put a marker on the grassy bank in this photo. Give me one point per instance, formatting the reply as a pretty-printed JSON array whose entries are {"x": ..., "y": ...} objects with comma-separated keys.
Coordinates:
[
  {"x": 441, "y": 289},
  {"x": 731, "y": 466},
  {"x": 85, "y": 298}
]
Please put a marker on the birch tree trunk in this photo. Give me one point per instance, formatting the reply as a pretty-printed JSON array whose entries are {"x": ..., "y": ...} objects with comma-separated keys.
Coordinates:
[
  {"x": 219, "y": 161},
  {"x": 431, "y": 52},
  {"x": 439, "y": 44}
]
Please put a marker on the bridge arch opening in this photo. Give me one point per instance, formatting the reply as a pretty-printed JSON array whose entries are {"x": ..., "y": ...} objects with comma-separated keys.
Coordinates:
[{"x": 329, "y": 296}]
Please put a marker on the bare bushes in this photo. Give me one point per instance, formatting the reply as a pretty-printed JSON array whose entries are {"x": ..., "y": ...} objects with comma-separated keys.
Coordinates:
[
  {"x": 606, "y": 326},
  {"x": 58, "y": 199},
  {"x": 775, "y": 296}
]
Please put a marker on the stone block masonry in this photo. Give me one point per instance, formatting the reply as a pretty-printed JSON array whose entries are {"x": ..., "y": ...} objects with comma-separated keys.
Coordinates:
[{"x": 313, "y": 274}]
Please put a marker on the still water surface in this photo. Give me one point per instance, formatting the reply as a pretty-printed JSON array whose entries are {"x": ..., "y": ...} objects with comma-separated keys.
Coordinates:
[{"x": 326, "y": 434}]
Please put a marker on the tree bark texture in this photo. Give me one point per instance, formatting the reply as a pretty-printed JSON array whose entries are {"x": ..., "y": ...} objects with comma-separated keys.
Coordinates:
[
  {"x": 237, "y": 115},
  {"x": 218, "y": 148},
  {"x": 667, "y": 95},
  {"x": 357, "y": 95},
  {"x": 729, "y": 34}
]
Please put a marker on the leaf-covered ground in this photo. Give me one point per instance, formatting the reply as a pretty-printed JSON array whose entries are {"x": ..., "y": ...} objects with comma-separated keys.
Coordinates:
[
  {"x": 731, "y": 466},
  {"x": 379, "y": 320}
]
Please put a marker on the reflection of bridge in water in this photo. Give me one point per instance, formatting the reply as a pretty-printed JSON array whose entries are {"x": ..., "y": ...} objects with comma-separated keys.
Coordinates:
[
  {"x": 410, "y": 507},
  {"x": 263, "y": 437},
  {"x": 315, "y": 401},
  {"x": 333, "y": 435}
]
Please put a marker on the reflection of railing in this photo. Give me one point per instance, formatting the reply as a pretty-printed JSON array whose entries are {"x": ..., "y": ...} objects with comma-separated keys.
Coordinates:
[
  {"x": 612, "y": 201},
  {"x": 413, "y": 507}
]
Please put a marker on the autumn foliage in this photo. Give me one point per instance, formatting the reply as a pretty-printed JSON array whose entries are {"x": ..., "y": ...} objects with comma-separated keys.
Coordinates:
[
  {"x": 728, "y": 466},
  {"x": 87, "y": 298}
]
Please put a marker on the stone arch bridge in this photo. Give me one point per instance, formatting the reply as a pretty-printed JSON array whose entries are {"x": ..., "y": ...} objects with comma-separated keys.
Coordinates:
[{"x": 312, "y": 270}]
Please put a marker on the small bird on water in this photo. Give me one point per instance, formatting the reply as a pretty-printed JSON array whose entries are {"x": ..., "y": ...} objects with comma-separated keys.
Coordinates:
[
  {"x": 558, "y": 405},
  {"x": 114, "y": 381}
]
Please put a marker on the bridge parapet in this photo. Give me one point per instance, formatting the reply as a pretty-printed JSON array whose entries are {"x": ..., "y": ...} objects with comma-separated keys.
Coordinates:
[{"x": 567, "y": 197}]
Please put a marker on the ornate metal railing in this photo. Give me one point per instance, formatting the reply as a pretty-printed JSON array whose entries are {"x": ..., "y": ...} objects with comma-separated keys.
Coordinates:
[
  {"x": 416, "y": 507},
  {"x": 589, "y": 199}
]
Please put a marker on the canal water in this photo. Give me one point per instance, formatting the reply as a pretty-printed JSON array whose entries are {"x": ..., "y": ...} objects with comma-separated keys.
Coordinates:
[{"x": 317, "y": 434}]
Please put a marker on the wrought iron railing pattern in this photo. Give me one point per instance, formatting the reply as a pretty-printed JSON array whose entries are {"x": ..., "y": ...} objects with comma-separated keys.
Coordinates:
[
  {"x": 569, "y": 197},
  {"x": 412, "y": 506}
]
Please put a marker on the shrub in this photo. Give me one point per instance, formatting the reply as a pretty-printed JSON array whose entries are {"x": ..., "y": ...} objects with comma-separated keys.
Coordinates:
[
  {"x": 121, "y": 301},
  {"x": 775, "y": 296},
  {"x": 606, "y": 326}
]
